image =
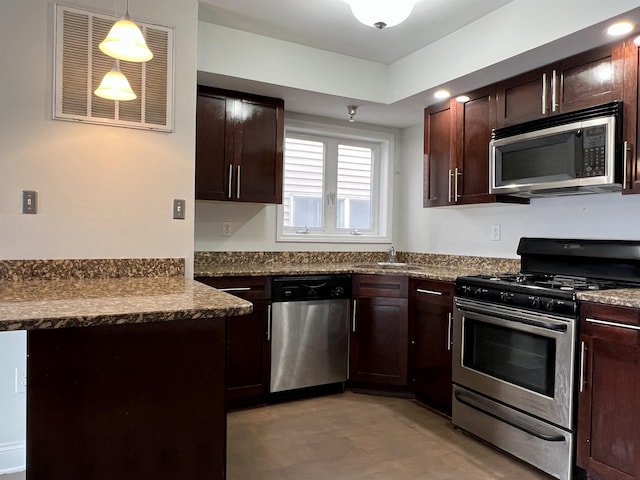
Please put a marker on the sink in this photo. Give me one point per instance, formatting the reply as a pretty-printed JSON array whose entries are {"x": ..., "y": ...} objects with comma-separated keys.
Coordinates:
[{"x": 392, "y": 264}]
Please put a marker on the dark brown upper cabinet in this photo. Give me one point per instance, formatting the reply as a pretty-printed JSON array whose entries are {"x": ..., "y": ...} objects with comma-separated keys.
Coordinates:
[
  {"x": 239, "y": 146},
  {"x": 631, "y": 177},
  {"x": 456, "y": 151},
  {"x": 585, "y": 80}
]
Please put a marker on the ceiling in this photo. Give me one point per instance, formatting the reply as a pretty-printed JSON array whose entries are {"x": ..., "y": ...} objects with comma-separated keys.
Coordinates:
[{"x": 329, "y": 25}]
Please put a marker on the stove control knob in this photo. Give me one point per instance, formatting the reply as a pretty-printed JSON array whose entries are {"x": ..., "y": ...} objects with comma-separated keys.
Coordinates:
[
  {"x": 535, "y": 302},
  {"x": 479, "y": 292},
  {"x": 506, "y": 297},
  {"x": 550, "y": 305}
]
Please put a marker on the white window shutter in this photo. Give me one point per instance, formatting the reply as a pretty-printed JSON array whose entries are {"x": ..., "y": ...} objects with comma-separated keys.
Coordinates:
[{"x": 80, "y": 66}]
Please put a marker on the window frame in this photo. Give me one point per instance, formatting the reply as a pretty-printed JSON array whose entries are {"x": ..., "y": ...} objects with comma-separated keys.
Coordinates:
[{"x": 381, "y": 188}]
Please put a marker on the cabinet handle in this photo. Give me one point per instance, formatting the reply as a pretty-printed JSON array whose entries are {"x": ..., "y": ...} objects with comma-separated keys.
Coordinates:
[
  {"x": 450, "y": 318},
  {"x": 429, "y": 292},
  {"x": 268, "y": 323},
  {"x": 553, "y": 91},
  {"x": 457, "y": 176},
  {"x": 235, "y": 289},
  {"x": 583, "y": 351},
  {"x": 230, "y": 178},
  {"x": 613, "y": 324},
  {"x": 450, "y": 175},
  {"x": 353, "y": 317},
  {"x": 238, "y": 181},
  {"x": 544, "y": 94},
  {"x": 625, "y": 157}
]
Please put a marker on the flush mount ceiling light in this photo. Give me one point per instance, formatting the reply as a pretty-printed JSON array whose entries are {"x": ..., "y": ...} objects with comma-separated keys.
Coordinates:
[
  {"x": 381, "y": 13},
  {"x": 351, "y": 109},
  {"x": 442, "y": 94},
  {"x": 115, "y": 86},
  {"x": 125, "y": 41}
]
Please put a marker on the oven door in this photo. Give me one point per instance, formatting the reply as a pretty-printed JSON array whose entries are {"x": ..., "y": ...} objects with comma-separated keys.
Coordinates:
[{"x": 520, "y": 358}]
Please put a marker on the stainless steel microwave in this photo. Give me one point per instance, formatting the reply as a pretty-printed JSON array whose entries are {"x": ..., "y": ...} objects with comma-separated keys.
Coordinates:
[{"x": 577, "y": 152}]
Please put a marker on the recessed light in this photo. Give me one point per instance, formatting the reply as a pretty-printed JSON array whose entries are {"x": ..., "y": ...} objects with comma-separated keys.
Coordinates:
[
  {"x": 637, "y": 40},
  {"x": 442, "y": 94},
  {"x": 462, "y": 98},
  {"x": 620, "y": 28}
]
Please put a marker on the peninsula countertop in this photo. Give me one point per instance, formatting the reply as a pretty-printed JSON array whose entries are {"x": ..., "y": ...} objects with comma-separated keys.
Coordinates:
[{"x": 50, "y": 304}]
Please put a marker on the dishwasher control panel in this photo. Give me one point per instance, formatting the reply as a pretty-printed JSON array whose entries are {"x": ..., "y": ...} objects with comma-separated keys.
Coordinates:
[{"x": 308, "y": 287}]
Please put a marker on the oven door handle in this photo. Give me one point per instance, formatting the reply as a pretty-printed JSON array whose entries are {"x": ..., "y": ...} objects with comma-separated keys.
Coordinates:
[
  {"x": 536, "y": 432},
  {"x": 556, "y": 327}
]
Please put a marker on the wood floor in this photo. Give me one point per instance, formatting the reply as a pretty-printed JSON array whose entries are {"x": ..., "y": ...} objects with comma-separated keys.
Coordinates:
[{"x": 352, "y": 436}]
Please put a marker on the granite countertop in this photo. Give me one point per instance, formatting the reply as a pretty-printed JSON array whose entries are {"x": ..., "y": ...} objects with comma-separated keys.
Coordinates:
[
  {"x": 624, "y": 297},
  {"x": 428, "y": 272},
  {"x": 60, "y": 303}
]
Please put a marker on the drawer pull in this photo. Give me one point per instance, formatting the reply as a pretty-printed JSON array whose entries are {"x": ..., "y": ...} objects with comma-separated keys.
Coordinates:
[
  {"x": 235, "y": 289},
  {"x": 428, "y": 292},
  {"x": 583, "y": 352},
  {"x": 613, "y": 324}
]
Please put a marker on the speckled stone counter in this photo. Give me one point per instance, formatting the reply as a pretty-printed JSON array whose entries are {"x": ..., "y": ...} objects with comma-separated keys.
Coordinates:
[
  {"x": 625, "y": 297},
  {"x": 38, "y": 304},
  {"x": 426, "y": 266},
  {"x": 49, "y": 294}
]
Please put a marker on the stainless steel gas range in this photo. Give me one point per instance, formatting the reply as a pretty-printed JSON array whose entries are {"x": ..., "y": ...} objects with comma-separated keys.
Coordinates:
[{"x": 514, "y": 345}]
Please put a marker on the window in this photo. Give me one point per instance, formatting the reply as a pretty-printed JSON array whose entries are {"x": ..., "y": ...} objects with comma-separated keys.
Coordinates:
[{"x": 336, "y": 185}]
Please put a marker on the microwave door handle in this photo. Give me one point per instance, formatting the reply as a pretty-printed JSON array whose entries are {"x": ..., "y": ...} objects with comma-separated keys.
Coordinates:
[{"x": 544, "y": 94}]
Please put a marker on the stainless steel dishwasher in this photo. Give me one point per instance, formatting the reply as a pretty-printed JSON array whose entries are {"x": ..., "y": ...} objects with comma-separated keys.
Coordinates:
[{"x": 309, "y": 331}]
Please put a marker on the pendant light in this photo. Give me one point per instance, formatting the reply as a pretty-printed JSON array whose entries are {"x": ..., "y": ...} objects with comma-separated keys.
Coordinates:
[
  {"x": 381, "y": 13},
  {"x": 115, "y": 86},
  {"x": 125, "y": 41}
]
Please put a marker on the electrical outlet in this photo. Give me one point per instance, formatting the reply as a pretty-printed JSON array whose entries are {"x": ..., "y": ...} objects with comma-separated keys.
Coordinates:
[
  {"x": 495, "y": 233},
  {"x": 21, "y": 379},
  {"x": 226, "y": 229},
  {"x": 29, "y": 201},
  {"x": 179, "y": 206}
]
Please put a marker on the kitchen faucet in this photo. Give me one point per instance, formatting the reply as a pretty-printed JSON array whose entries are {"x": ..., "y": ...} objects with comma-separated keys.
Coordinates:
[{"x": 392, "y": 255}]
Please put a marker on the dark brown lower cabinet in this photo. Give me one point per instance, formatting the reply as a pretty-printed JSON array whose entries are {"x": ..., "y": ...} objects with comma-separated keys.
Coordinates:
[
  {"x": 430, "y": 316},
  {"x": 138, "y": 401},
  {"x": 608, "y": 431},
  {"x": 379, "y": 332},
  {"x": 248, "y": 344}
]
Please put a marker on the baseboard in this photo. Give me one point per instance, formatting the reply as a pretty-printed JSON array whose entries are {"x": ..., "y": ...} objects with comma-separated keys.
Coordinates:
[{"x": 12, "y": 457}]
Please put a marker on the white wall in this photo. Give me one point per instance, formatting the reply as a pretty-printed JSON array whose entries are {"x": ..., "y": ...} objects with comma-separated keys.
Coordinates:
[
  {"x": 466, "y": 230},
  {"x": 104, "y": 192}
]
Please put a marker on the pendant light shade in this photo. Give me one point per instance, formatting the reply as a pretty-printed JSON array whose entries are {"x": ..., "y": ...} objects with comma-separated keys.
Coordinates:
[
  {"x": 381, "y": 13},
  {"x": 125, "y": 42},
  {"x": 115, "y": 86}
]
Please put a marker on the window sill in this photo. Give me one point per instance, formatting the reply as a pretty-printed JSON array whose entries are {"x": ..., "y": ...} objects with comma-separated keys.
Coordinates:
[{"x": 317, "y": 238}]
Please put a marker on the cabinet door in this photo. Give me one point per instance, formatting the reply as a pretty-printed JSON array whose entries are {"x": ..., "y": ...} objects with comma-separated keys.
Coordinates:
[
  {"x": 248, "y": 355},
  {"x": 631, "y": 111},
  {"x": 248, "y": 343},
  {"x": 258, "y": 151},
  {"x": 588, "y": 79},
  {"x": 430, "y": 309},
  {"x": 608, "y": 438},
  {"x": 439, "y": 128},
  {"x": 475, "y": 120},
  {"x": 213, "y": 147},
  {"x": 379, "y": 341},
  {"x": 520, "y": 98}
]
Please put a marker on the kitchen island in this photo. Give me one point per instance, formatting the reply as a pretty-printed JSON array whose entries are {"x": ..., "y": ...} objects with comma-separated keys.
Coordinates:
[{"x": 125, "y": 376}]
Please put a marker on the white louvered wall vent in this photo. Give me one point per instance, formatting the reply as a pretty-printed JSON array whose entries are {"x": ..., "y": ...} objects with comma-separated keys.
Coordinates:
[{"x": 80, "y": 66}]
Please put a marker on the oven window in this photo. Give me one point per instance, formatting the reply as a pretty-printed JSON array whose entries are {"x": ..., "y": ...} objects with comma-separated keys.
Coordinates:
[{"x": 517, "y": 357}]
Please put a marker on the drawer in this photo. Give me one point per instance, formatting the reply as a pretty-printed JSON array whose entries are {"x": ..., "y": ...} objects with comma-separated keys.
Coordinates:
[
  {"x": 249, "y": 288},
  {"x": 390, "y": 286}
]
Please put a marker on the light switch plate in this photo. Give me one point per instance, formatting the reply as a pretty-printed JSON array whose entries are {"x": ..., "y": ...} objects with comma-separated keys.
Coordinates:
[
  {"x": 29, "y": 201},
  {"x": 179, "y": 206}
]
